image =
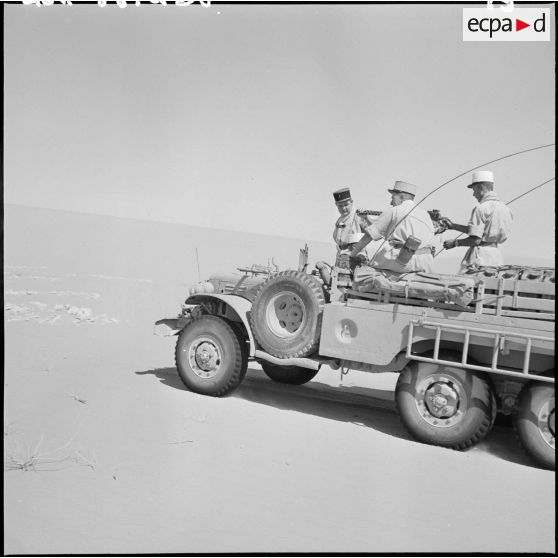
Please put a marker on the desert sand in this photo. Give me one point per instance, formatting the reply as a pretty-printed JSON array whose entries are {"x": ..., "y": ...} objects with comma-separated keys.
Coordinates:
[{"x": 107, "y": 452}]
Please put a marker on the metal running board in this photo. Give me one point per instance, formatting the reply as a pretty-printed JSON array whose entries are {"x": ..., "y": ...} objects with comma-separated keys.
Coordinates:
[{"x": 313, "y": 364}]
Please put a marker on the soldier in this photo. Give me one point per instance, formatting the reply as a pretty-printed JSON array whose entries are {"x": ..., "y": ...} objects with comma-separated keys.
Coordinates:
[
  {"x": 408, "y": 232},
  {"x": 488, "y": 227},
  {"x": 347, "y": 232}
]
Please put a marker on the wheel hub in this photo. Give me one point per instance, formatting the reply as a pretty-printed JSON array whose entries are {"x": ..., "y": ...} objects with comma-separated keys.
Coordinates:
[
  {"x": 285, "y": 314},
  {"x": 205, "y": 358},
  {"x": 441, "y": 401},
  {"x": 546, "y": 422}
]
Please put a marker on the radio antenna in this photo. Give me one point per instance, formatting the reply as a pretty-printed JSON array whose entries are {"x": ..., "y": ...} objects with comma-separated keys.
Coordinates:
[
  {"x": 508, "y": 203},
  {"x": 455, "y": 178},
  {"x": 198, "y": 263}
]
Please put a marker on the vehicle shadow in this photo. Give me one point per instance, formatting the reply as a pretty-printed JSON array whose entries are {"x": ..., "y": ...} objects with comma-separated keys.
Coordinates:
[
  {"x": 502, "y": 442},
  {"x": 362, "y": 406},
  {"x": 167, "y": 376},
  {"x": 365, "y": 407}
]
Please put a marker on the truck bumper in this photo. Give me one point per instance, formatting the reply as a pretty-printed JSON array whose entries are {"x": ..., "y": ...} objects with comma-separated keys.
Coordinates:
[{"x": 171, "y": 326}]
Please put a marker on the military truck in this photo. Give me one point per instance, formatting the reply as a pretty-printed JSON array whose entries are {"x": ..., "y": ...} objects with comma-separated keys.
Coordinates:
[{"x": 461, "y": 359}]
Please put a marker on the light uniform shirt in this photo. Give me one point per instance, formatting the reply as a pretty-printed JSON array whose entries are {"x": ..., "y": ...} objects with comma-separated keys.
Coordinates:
[
  {"x": 491, "y": 221},
  {"x": 348, "y": 230},
  {"x": 396, "y": 225}
]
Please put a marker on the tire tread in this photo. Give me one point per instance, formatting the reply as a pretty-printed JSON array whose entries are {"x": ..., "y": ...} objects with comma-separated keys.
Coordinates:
[
  {"x": 539, "y": 460},
  {"x": 314, "y": 285},
  {"x": 482, "y": 430},
  {"x": 239, "y": 370}
]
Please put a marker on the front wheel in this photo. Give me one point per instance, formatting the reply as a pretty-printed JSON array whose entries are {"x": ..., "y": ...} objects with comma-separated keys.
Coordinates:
[
  {"x": 534, "y": 423},
  {"x": 209, "y": 357},
  {"x": 294, "y": 375},
  {"x": 444, "y": 406}
]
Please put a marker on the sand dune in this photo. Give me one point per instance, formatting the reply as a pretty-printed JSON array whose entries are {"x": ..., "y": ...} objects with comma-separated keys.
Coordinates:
[{"x": 107, "y": 452}]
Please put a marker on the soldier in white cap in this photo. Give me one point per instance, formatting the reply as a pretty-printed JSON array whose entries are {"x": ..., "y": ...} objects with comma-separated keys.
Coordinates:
[
  {"x": 488, "y": 227},
  {"x": 347, "y": 232},
  {"x": 408, "y": 234}
]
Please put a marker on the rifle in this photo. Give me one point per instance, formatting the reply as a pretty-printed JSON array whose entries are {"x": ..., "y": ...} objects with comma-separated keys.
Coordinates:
[
  {"x": 435, "y": 215},
  {"x": 372, "y": 212}
]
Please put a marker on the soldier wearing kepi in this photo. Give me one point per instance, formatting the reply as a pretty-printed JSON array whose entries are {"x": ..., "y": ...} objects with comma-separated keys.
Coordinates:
[
  {"x": 347, "y": 232},
  {"x": 408, "y": 232},
  {"x": 488, "y": 227}
]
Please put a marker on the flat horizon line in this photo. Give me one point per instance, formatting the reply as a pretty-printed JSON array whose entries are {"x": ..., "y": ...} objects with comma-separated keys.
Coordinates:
[
  {"x": 147, "y": 220},
  {"x": 515, "y": 257}
]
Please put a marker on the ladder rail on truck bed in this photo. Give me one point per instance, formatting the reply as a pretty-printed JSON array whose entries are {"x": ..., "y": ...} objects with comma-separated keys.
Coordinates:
[
  {"x": 494, "y": 297},
  {"x": 497, "y": 298},
  {"x": 498, "y": 346}
]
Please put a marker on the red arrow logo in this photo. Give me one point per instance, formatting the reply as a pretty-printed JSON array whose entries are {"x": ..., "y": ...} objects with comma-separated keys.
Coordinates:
[{"x": 519, "y": 25}]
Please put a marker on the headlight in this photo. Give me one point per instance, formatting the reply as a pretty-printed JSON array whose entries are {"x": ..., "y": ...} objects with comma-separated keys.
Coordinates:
[{"x": 201, "y": 288}]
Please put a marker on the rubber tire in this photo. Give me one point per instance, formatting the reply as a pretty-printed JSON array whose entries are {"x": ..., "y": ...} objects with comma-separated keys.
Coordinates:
[
  {"x": 531, "y": 399},
  {"x": 294, "y": 375},
  {"x": 303, "y": 342},
  {"x": 234, "y": 359},
  {"x": 243, "y": 340},
  {"x": 474, "y": 425}
]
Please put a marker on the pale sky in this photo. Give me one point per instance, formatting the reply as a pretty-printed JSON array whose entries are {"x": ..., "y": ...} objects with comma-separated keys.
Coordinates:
[{"x": 248, "y": 117}]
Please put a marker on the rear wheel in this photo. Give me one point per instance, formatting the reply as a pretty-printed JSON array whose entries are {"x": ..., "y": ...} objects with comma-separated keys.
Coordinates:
[
  {"x": 535, "y": 423},
  {"x": 444, "y": 406},
  {"x": 209, "y": 357},
  {"x": 295, "y": 375}
]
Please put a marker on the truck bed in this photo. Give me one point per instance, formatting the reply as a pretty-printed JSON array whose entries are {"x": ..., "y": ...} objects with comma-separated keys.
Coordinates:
[{"x": 507, "y": 329}]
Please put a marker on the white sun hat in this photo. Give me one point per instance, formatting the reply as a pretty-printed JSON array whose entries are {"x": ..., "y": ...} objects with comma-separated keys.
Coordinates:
[
  {"x": 405, "y": 187},
  {"x": 481, "y": 176}
]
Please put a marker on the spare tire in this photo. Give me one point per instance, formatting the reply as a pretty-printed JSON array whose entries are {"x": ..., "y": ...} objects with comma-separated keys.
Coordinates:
[{"x": 287, "y": 314}]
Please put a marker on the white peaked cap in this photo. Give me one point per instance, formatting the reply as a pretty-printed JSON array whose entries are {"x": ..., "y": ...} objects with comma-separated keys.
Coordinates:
[
  {"x": 482, "y": 176},
  {"x": 404, "y": 187}
]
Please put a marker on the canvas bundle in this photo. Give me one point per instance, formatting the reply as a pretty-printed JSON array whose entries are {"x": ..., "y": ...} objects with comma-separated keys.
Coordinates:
[
  {"x": 544, "y": 274},
  {"x": 430, "y": 286}
]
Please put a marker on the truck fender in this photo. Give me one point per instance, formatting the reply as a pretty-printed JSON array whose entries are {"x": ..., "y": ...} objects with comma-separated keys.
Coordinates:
[{"x": 236, "y": 308}]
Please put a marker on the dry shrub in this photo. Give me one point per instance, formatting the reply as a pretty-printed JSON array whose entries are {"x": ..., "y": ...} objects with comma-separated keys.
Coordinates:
[{"x": 28, "y": 458}]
